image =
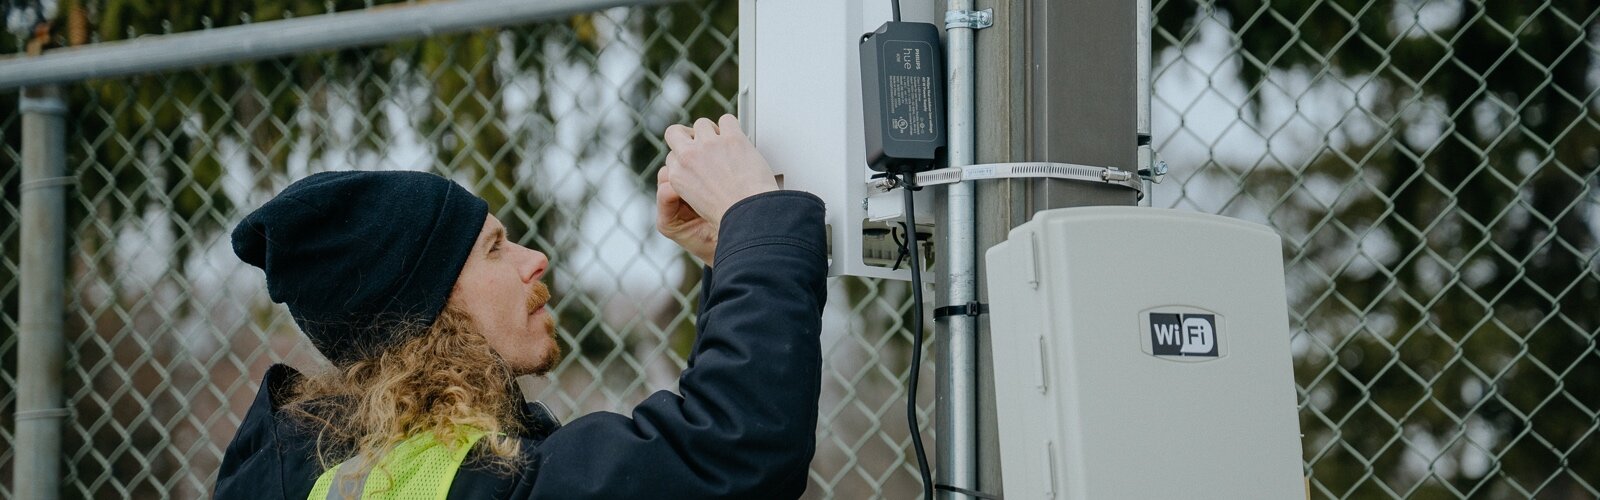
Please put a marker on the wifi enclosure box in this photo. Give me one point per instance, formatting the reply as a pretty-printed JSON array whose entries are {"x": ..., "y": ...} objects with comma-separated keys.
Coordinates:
[{"x": 1143, "y": 353}]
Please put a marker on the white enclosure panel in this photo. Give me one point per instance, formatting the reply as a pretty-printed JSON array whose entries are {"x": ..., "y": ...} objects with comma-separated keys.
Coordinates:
[
  {"x": 800, "y": 101},
  {"x": 1143, "y": 353}
]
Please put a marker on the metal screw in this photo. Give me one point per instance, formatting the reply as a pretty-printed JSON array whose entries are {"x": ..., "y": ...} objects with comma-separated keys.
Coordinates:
[{"x": 1157, "y": 170}]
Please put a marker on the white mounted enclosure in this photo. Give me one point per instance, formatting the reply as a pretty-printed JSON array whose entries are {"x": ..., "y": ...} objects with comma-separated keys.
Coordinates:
[
  {"x": 800, "y": 102},
  {"x": 1143, "y": 353}
]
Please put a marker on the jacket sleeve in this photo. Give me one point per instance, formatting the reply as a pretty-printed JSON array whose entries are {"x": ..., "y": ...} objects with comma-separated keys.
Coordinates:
[{"x": 745, "y": 424}]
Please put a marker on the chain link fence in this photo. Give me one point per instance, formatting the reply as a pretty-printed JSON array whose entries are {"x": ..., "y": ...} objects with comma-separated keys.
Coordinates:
[{"x": 1431, "y": 166}]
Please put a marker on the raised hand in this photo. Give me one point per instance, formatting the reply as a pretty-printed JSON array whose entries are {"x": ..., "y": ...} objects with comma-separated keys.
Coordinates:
[
  {"x": 712, "y": 166},
  {"x": 677, "y": 220}
]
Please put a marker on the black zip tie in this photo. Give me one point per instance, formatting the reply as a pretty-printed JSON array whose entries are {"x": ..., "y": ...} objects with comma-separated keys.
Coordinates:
[
  {"x": 963, "y": 491},
  {"x": 973, "y": 309}
]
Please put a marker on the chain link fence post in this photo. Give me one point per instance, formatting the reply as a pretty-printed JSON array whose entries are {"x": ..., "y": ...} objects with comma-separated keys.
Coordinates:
[{"x": 41, "y": 348}]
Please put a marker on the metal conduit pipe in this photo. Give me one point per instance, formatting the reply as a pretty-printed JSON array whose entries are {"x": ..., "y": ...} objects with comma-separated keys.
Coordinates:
[{"x": 956, "y": 394}]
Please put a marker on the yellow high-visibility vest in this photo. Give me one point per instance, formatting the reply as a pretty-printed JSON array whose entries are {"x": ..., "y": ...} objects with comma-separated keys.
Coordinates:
[{"x": 419, "y": 468}]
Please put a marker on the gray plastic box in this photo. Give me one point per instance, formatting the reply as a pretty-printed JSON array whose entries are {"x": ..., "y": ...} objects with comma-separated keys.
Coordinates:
[{"x": 1143, "y": 353}]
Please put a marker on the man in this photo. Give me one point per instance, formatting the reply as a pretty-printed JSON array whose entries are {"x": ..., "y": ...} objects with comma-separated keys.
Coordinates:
[{"x": 427, "y": 311}]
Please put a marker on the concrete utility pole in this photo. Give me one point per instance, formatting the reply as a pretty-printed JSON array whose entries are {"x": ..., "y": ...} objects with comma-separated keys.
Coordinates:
[{"x": 1056, "y": 81}]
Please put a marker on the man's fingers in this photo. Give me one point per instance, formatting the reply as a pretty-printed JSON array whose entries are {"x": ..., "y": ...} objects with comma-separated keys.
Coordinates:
[
  {"x": 664, "y": 175},
  {"x": 705, "y": 129},
  {"x": 729, "y": 125},
  {"x": 678, "y": 136},
  {"x": 665, "y": 197},
  {"x": 664, "y": 182},
  {"x": 668, "y": 206}
]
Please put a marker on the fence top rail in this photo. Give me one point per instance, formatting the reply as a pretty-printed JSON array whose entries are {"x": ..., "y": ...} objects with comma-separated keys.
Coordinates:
[{"x": 270, "y": 39}]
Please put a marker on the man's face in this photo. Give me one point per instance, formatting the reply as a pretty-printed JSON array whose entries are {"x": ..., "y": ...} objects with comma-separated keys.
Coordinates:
[{"x": 499, "y": 287}]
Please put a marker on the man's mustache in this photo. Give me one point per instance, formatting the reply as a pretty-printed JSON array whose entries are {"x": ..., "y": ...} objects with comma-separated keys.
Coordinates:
[{"x": 538, "y": 297}]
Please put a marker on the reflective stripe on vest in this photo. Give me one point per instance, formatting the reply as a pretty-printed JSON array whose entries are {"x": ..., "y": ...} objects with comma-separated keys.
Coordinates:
[{"x": 419, "y": 468}]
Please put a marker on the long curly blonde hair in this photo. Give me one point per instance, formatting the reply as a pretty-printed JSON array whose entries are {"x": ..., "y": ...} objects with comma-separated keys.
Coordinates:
[{"x": 438, "y": 382}]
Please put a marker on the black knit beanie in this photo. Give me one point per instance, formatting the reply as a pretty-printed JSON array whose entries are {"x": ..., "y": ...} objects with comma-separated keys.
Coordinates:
[{"x": 356, "y": 255}]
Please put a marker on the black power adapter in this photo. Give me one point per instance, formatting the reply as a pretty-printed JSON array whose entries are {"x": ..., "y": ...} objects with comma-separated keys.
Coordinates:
[{"x": 902, "y": 97}]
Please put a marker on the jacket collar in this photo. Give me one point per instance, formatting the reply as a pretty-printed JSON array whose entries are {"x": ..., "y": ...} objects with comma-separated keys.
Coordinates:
[{"x": 538, "y": 421}]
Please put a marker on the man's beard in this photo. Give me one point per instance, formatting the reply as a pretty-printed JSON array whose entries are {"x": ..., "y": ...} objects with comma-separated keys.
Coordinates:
[{"x": 537, "y": 298}]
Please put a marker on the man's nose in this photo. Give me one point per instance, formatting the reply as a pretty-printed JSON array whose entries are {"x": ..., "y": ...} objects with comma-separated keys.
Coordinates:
[{"x": 534, "y": 265}]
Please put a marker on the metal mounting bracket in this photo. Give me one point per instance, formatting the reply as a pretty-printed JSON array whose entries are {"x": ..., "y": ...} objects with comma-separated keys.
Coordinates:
[
  {"x": 46, "y": 105},
  {"x": 1020, "y": 170},
  {"x": 971, "y": 19}
]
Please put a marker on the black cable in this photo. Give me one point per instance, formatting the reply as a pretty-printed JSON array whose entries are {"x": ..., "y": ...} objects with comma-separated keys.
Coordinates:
[
  {"x": 909, "y": 185},
  {"x": 899, "y": 242},
  {"x": 896, "y": 5}
]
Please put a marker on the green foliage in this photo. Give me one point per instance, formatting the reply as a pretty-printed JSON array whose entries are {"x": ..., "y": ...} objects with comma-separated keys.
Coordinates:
[
  {"x": 154, "y": 139},
  {"x": 183, "y": 116},
  {"x": 696, "y": 33}
]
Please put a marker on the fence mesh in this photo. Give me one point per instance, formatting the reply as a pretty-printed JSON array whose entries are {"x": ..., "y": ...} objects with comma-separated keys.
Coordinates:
[
  {"x": 1432, "y": 168},
  {"x": 1430, "y": 164}
]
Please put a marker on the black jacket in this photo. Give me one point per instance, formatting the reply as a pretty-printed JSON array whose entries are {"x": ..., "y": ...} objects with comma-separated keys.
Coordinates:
[{"x": 744, "y": 426}]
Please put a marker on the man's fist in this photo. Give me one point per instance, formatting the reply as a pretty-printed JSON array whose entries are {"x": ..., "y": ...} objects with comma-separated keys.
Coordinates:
[
  {"x": 709, "y": 168},
  {"x": 678, "y": 221},
  {"x": 713, "y": 166}
]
